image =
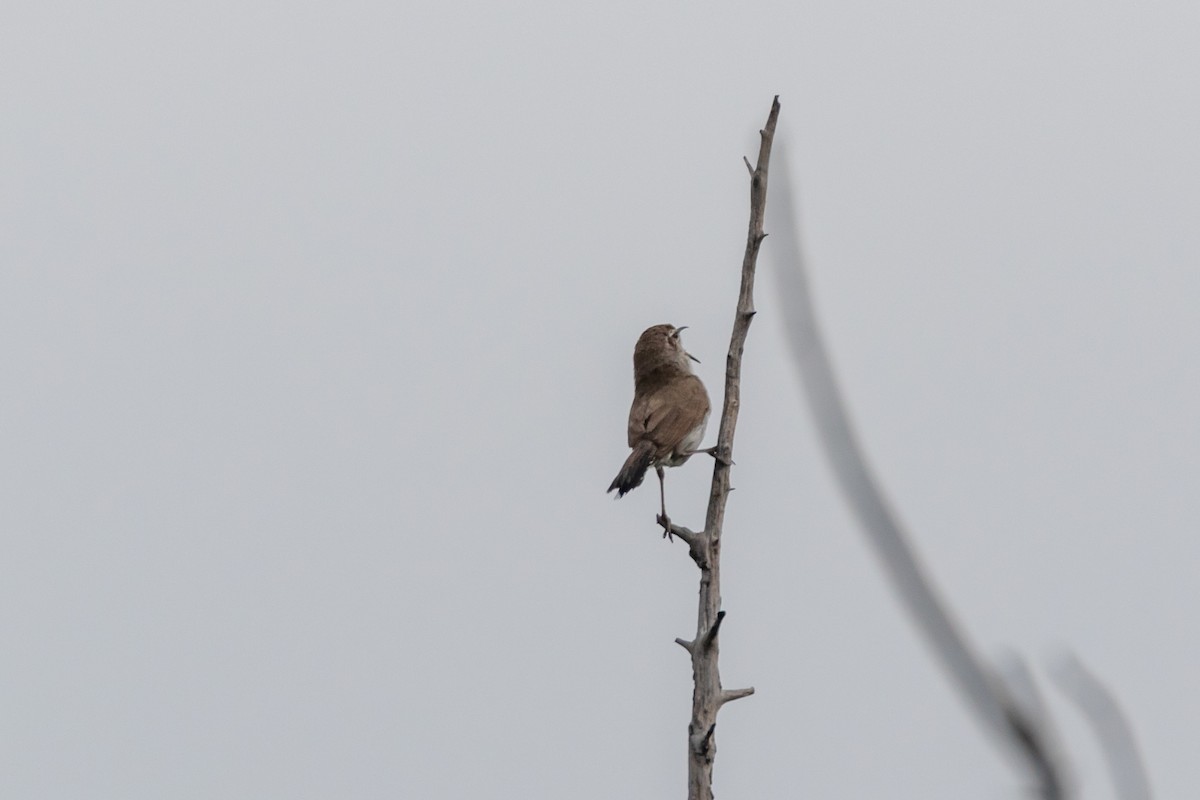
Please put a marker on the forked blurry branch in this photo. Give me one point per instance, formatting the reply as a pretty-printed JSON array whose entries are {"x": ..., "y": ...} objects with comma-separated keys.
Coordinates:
[
  {"x": 1000, "y": 713},
  {"x": 705, "y": 546},
  {"x": 1108, "y": 721}
]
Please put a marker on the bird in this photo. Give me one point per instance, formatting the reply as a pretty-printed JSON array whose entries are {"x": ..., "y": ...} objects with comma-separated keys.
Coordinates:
[{"x": 669, "y": 412}]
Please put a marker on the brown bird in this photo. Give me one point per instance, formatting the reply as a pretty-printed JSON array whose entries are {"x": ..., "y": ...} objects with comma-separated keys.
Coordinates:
[{"x": 669, "y": 412}]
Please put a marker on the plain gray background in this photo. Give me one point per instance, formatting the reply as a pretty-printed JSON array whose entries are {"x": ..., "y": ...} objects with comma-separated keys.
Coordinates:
[{"x": 315, "y": 334}]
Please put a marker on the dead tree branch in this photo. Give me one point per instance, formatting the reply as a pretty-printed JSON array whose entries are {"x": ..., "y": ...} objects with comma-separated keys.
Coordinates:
[{"x": 705, "y": 547}]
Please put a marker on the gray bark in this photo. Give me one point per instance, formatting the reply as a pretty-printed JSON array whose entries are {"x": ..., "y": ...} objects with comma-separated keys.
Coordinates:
[{"x": 705, "y": 546}]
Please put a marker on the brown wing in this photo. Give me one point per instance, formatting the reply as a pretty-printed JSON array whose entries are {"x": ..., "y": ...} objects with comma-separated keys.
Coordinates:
[{"x": 668, "y": 413}]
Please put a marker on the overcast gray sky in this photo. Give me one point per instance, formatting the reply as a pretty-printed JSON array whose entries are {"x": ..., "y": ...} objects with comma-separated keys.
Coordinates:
[{"x": 315, "y": 330}]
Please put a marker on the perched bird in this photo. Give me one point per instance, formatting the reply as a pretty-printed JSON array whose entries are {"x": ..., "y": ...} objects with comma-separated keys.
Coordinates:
[{"x": 669, "y": 412}]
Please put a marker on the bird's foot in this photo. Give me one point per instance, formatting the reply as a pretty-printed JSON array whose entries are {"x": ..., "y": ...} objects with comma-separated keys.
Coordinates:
[
  {"x": 665, "y": 521},
  {"x": 720, "y": 459}
]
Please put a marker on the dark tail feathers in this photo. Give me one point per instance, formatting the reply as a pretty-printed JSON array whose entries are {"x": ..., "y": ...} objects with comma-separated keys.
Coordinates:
[{"x": 634, "y": 470}]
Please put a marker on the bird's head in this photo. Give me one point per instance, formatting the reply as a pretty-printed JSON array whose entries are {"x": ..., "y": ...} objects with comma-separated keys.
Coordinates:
[{"x": 660, "y": 346}]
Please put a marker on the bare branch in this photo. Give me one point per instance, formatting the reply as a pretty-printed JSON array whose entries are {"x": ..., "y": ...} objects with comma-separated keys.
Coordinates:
[
  {"x": 685, "y": 644},
  {"x": 741, "y": 327},
  {"x": 983, "y": 693},
  {"x": 707, "y": 696},
  {"x": 1110, "y": 724}
]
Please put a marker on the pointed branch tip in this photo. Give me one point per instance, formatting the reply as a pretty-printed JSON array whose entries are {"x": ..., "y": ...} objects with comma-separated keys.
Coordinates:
[
  {"x": 685, "y": 644},
  {"x": 730, "y": 695}
]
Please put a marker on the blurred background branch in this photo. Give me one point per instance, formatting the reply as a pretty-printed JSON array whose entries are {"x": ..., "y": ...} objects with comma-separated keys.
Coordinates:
[
  {"x": 1003, "y": 717},
  {"x": 1110, "y": 724}
]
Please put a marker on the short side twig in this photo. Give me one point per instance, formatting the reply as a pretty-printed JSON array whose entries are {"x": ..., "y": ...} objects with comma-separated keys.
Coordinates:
[
  {"x": 671, "y": 529},
  {"x": 697, "y": 542},
  {"x": 729, "y": 695}
]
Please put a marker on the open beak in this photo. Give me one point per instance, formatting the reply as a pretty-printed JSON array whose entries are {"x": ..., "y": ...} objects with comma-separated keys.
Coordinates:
[{"x": 678, "y": 331}]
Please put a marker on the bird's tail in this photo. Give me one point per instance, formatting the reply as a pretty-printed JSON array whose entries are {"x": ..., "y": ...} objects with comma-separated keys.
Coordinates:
[{"x": 634, "y": 470}]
